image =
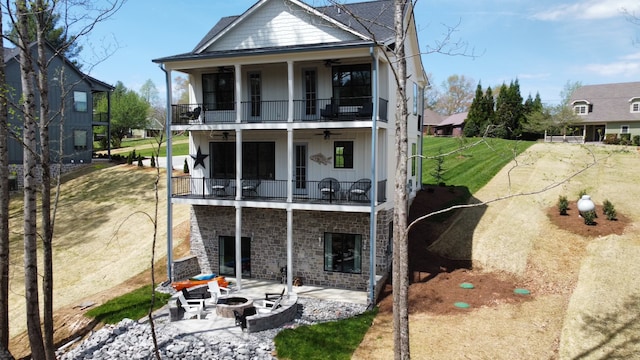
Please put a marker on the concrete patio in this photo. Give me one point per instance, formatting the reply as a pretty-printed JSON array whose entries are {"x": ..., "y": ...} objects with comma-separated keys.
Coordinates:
[{"x": 255, "y": 290}]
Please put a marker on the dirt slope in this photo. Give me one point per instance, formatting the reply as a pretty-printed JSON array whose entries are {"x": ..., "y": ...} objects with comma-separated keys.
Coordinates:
[{"x": 583, "y": 288}]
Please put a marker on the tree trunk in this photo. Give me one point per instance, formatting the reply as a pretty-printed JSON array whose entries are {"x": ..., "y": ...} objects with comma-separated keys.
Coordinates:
[
  {"x": 45, "y": 162},
  {"x": 4, "y": 207},
  {"x": 400, "y": 276},
  {"x": 30, "y": 188}
]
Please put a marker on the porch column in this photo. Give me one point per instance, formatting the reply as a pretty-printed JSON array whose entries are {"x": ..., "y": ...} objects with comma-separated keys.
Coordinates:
[
  {"x": 169, "y": 166},
  {"x": 238, "y": 93},
  {"x": 238, "y": 164},
  {"x": 290, "y": 156},
  {"x": 290, "y": 90},
  {"x": 289, "y": 249},
  {"x": 374, "y": 179},
  {"x": 239, "y": 247}
]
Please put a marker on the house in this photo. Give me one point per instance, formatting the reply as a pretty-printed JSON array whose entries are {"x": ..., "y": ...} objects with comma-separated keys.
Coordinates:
[
  {"x": 431, "y": 120},
  {"x": 291, "y": 131},
  {"x": 72, "y": 93},
  {"x": 451, "y": 125},
  {"x": 608, "y": 110}
]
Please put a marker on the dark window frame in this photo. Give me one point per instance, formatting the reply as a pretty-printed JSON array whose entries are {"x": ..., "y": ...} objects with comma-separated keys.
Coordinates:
[
  {"x": 343, "y": 154},
  {"x": 218, "y": 91},
  {"x": 258, "y": 160},
  {"x": 339, "y": 256},
  {"x": 351, "y": 84}
]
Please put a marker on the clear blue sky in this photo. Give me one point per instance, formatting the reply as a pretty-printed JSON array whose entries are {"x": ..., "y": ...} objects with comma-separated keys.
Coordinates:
[{"x": 543, "y": 43}]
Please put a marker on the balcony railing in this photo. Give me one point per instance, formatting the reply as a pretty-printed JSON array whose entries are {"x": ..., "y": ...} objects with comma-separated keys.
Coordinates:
[
  {"x": 343, "y": 109},
  {"x": 101, "y": 117},
  {"x": 320, "y": 192}
]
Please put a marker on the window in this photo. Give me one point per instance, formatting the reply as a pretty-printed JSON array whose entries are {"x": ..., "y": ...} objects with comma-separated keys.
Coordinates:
[
  {"x": 624, "y": 129},
  {"x": 635, "y": 107},
  {"x": 227, "y": 255},
  {"x": 310, "y": 91},
  {"x": 80, "y": 101},
  {"x": 415, "y": 99},
  {"x": 80, "y": 139},
  {"x": 343, "y": 154},
  {"x": 414, "y": 152},
  {"x": 580, "y": 109},
  {"x": 352, "y": 84},
  {"x": 258, "y": 160},
  {"x": 343, "y": 253},
  {"x": 218, "y": 91}
]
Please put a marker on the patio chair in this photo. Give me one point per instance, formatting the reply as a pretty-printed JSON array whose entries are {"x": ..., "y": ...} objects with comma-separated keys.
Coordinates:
[
  {"x": 241, "y": 319},
  {"x": 192, "y": 307},
  {"x": 365, "y": 111},
  {"x": 360, "y": 190},
  {"x": 219, "y": 187},
  {"x": 267, "y": 306},
  {"x": 191, "y": 115},
  {"x": 273, "y": 296},
  {"x": 250, "y": 187},
  {"x": 216, "y": 291},
  {"x": 329, "y": 187},
  {"x": 330, "y": 111}
]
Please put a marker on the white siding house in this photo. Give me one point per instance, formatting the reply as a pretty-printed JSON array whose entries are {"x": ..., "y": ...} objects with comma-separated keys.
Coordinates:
[{"x": 292, "y": 124}]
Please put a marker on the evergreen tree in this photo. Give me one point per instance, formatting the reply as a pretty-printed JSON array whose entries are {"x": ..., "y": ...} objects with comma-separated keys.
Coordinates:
[
  {"x": 489, "y": 108},
  {"x": 476, "y": 115}
]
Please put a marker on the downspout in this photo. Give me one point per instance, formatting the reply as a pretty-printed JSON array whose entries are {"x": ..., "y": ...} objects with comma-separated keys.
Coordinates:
[
  {"x": 374, "y": 181},
  {"x": 167, "y": 128}
]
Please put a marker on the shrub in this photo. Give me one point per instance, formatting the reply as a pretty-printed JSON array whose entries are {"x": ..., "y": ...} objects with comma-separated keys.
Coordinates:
[
  {"x": 153, "y": 161},
  {"x": 611, "y": 139},
  {"x": 185, "y": 168},
  {"x": 589, "y": 217},
  {"x": 439, "y": 169},
  {"x": 140, "y": 164},
  {"x": 625, "y": 139},
  {"x": 581, "y": 193},
  {"x": 563, "y": 205},
  {"x": 609, "y": 210},
  {"x": 130, "y": 158},
  {"x": 636, "y": 140}
]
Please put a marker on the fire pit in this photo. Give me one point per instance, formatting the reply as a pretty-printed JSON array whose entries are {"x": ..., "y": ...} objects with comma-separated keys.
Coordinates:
[{"x": 227, "y": 305}]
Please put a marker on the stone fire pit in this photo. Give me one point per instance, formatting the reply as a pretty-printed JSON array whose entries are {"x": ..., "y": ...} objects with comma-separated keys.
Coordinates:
[{"x": 227, "y": 305}]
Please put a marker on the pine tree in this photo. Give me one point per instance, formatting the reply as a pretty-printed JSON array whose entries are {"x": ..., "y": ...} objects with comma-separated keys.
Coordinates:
[{"x": 476, "y": 116}]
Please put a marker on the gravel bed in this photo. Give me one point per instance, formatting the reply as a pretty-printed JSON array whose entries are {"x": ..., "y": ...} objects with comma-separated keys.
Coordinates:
[{"x": 131, "y": 339}]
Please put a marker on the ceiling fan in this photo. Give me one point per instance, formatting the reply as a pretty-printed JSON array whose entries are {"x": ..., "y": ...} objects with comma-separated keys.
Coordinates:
[
  {"x": 327, "y": 134},
  {"x": 330, "y": 62},
  {"x": 225, "y": 135}
]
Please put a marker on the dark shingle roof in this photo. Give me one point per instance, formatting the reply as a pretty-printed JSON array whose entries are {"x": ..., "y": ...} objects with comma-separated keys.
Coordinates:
[
  {"x": 609, "y": 102},
  {"x": 378, "y": 15}
]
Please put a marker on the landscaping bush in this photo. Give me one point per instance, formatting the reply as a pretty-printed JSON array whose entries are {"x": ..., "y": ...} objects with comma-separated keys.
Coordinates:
[
  {"x": 609, "y": 210},
  {"x": 636, "y": 140},
  {"x": 563, "y": 205},
  {"x": 185, "y": 168},
  {"x": 625, "y": 139},
  {"x": 140, "y": 164},
  {"x": 153, "y": 161},
  {"x": 611, "y": 139},
  {"x": 589, "y": 217},
  {"x": 130, "y": 158},
  {"x": 439, "y": 169},
  {"x": 581, "y": 193}
]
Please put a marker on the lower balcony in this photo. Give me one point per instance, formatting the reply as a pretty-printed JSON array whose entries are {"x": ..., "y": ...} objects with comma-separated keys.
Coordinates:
[{"x": 325, "y": 191}]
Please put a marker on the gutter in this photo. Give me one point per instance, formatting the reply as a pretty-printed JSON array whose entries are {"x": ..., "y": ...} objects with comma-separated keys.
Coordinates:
[{"x": 169, "y": 179}]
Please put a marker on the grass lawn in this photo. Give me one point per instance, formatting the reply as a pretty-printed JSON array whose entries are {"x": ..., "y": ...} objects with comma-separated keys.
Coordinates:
[
  {"x": 471, "y": 167},
  {"x": 133, "y": 305}
]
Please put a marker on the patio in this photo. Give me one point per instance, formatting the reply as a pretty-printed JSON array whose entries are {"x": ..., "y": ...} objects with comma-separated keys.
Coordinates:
[{"x": 255, "y": 290}]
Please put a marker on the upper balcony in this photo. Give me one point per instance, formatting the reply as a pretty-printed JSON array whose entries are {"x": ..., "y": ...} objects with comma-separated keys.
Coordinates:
[{"x": 345, "y": 109}]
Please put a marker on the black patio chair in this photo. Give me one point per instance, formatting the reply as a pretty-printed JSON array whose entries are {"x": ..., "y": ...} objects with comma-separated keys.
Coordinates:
[
  {"x": 329, "y": 188},
  {"x": 359, "y": 190}
]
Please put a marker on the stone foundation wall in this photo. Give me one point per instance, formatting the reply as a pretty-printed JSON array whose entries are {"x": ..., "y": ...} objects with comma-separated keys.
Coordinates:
[
  {"x": 185, "y": 268},
  {"x": 267, "y": 229},
  {"x": 17, "y": 169}
]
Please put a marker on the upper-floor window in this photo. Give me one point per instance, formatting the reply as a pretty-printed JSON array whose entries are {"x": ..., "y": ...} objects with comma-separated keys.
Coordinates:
[
  {"x": 80, "y": 101},
  {"x": 580, "y": 109},
  {"x": 343, "y": 154},
  {"x": 635, "y": 107},
  {"x": 218, "y": 91},
  {"x": 352, "y": 84}
]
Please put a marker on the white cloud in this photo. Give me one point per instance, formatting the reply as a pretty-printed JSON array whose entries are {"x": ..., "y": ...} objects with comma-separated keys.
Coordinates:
[
  {"x": 534, "y": 76},
  {"x": 588, "y": 10},
  {"x": 628, "y": 65}
]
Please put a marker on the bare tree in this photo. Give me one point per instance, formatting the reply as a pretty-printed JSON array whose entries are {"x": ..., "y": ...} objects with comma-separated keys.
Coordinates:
[
  {"x": 4, "y": 208},
  {"x": 456, "y": 95}
]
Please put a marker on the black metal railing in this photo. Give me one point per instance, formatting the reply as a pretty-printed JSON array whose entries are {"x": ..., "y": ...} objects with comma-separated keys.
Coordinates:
[
  {"x": 326, "y": 191},
  {"x": 101, "y": 117},
  {"x": 333, "y": 109}
]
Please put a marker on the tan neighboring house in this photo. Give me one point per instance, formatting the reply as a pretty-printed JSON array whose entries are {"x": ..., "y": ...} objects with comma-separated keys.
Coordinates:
[
  {"x": 608, "y": 109},
  {"x": 291, "y": 133},
  {"x": 451, "y": 125}
]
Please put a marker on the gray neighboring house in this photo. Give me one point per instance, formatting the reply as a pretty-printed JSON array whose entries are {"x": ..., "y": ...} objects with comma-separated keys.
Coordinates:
[
  {"x": 78, "y": 99},
  {"x": 451, "y": 125},
  {"x": 608, "y": 109},
  {"x": 291, "y": 122}
]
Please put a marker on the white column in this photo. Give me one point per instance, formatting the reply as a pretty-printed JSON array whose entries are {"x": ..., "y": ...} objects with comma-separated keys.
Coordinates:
[
  {"x": 289, "y": 250},
  {"x": 290, "y": 78},
  {"x": 238, "y": 93},
  {"x": 239, "y": 247}
]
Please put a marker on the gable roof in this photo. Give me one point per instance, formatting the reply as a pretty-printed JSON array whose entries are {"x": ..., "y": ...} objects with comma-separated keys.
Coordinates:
[
  {"x": 609, "y": 102},
  {"x": 98, "y": 85},
  {"x": 454, "y": 120},
  {"x": 376, "y": 21},
  {"x": 431, "y": 117}
]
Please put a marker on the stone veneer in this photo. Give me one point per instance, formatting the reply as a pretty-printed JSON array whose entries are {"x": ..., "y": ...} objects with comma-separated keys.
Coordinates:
[{"x": 267, "y": 229}]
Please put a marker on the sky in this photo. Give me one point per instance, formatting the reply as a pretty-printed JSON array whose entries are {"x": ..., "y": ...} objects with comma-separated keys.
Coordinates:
[{"x": 544, "y": 44}]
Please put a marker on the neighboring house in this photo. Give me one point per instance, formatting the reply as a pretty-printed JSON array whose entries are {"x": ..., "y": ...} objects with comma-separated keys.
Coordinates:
[
  {"x": 70, "y": 91},
  {"x": 153, "y": 129},
  {"x": 431, "y": 120},
  {"x": 608, "y": 109},
  {"x": 452, "y": 125},
  {"x": 292, "y": 129}
]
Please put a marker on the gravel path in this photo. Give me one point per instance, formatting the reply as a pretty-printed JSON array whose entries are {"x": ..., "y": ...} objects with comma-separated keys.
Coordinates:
[{"x": 131, "y": 339}]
